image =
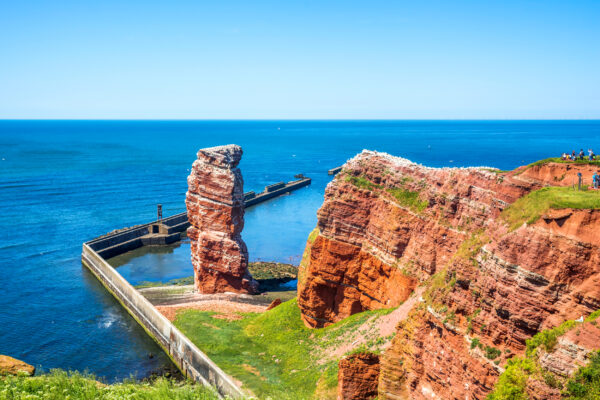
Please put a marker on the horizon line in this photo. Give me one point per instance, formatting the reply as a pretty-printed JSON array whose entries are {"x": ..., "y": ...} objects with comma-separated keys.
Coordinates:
[{"x": 298, "y": 119}]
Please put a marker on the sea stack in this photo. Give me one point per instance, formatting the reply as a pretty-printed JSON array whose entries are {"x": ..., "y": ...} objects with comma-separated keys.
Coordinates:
[{"x": 215, "y": 208}]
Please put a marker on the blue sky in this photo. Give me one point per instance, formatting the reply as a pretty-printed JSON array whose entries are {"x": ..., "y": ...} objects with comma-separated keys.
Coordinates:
[{"x": 310, "y": 59}]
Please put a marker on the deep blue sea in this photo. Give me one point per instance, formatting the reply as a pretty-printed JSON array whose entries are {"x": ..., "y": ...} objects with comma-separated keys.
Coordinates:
[{"x": 64, "y": 182}]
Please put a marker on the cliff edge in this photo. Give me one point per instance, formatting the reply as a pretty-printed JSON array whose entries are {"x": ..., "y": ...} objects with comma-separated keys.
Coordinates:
[{"x": 498, "y": 256}]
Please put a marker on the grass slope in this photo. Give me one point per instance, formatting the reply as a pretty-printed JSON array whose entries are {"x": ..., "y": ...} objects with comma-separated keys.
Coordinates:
[
  {"x": 531, "y": 207},
  {"x": 519, "y": 370},
  {"x": 59, "y": 385},
  {"x": 273, "y": 353},
  {"x": 560, "y": 161}
]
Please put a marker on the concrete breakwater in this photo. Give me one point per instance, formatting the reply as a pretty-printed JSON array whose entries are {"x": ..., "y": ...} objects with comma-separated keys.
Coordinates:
[
  {"x": 189, "y": 359},
  {"x": 334, "y": 171},
  {"x": 274, "y": 190}
]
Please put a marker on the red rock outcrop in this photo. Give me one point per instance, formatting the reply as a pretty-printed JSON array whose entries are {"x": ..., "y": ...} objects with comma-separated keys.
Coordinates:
[
  {"x": 215, "y": 208},
  {"x": 373, "y": 247},
  {"x": 358, "y": 376},
  {"x": 558, "y": 174},
  {"x": 12, "y": 366},
  {"x": 388, "y": 225}
]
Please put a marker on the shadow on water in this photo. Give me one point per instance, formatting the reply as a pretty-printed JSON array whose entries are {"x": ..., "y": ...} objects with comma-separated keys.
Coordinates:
[
  {"x": 125, "y": 258},
  {"x": 155, "y": 263}
]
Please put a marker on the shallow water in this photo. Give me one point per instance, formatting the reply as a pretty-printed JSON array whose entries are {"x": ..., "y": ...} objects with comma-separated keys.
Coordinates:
[{"x": 65, "y": 182}]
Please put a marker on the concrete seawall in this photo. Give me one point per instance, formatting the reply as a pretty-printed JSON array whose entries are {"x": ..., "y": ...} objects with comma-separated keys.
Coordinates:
[
  {"x": 189, "y": 359},
  {"x": 118, "y": 242}
]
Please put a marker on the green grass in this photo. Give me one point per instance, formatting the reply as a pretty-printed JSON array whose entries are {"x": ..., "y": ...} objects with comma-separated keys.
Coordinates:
[
  {"x": 362, "y": 183},
  {"x": 59, "y": 385},
  {"x": 528, "y": 209},
  {"x": 273, "y": 353},
  {"x": 408, "y": 199}
]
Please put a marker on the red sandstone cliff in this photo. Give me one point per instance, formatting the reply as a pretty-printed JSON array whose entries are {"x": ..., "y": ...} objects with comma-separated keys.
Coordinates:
[
  {"x": 388, "y": 225},
  {"x": 215, "y": 209}
]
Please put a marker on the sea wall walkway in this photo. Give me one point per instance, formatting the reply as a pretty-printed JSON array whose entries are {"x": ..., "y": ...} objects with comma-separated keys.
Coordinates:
[{"x": 192, "y": 362}]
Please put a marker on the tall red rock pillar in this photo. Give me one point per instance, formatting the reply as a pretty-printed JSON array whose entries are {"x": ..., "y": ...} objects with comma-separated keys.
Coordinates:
[{"x": 215, "y": 208}]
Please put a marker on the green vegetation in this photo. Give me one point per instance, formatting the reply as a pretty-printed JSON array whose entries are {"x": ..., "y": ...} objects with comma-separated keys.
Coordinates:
[
  {"x": 273, "y": 353},
  {"x": 271, "y": 270},
  {"x": 586, "y": 382},
  {"x": 559, "y": 160},
  {"x": 408, "y": 199},
  {"x": 548, "y": 338},
  {"x": 492, "y": 353},
  {"x": 511, "y": 384},
  {"x": 469, "y": 248},
  {"x": 312, "y": 236},
  {"x": 361, "y": 182},
  {"x": 439, "y": 285},
  {"x": 59, "y": 385},
  {"x": 189, "y": 280},
  {"x": 528, "y": 209},
  {"x": 306, "y": 256}
]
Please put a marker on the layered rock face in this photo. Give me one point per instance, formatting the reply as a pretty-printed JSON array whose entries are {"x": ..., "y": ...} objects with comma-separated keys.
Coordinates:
[
  {"x": 558, "y": 174},
  {"x": 358, "y": 375},
  {"x": 388, "y": 225},
  {"x": 215, "y": 208}
]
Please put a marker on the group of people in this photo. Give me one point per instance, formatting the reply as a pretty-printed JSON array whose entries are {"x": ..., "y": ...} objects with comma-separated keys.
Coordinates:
[{"x": 581, "y": 155}]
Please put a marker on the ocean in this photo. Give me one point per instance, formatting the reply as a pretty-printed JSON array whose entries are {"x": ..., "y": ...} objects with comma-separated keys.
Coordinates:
[{"x": 65, "y": 182}]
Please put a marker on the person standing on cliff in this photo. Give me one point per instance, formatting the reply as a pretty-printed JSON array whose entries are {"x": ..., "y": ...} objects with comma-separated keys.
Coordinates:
[
  {"x": 596, "y": 179},
  {"x": 581, "y": 154}
]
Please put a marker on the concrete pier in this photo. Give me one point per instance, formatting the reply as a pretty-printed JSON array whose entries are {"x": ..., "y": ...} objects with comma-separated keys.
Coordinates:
[
  {"x": 274, "y": 190},
  {"x": 334, "y": 171}
]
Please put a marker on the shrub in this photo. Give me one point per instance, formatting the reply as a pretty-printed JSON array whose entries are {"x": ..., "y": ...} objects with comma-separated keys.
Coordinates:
[
  {"x": 511, "y": 384},
  {"x": 586, "y": 382}
]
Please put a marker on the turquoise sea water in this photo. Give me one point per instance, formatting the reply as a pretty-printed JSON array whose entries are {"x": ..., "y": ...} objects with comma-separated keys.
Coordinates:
[{"x": 64, "y": 182}]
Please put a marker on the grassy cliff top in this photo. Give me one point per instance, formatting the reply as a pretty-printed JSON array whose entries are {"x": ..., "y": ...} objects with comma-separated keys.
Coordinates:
[
  {"x": 545, "y": 161},
  {"x": 528, "y": 209}
]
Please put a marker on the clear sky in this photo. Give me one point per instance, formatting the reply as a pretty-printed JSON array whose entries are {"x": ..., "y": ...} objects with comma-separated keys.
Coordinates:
[{"x": 300, "y": 59}]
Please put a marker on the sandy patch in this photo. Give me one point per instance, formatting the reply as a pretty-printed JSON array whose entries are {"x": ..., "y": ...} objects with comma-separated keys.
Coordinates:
[
  {"x": 225, "y": 309},
  {"x": 253, "y": 370}
]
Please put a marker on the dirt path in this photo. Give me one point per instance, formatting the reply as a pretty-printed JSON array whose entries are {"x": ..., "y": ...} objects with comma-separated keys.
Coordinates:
[{"x": 374, "y": 327}]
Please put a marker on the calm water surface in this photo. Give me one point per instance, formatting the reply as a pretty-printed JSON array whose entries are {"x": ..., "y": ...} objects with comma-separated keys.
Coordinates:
[{"x": 64, "y": 182}]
